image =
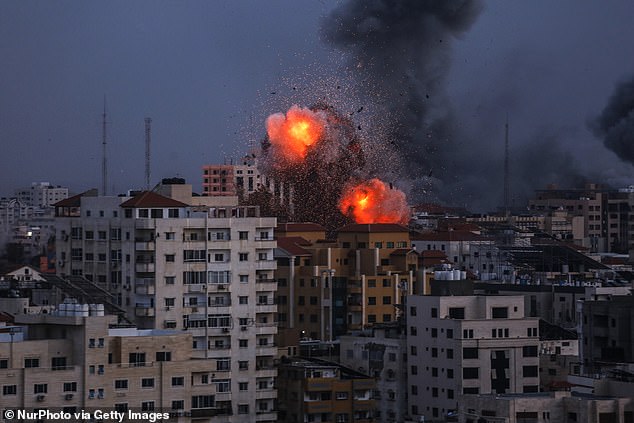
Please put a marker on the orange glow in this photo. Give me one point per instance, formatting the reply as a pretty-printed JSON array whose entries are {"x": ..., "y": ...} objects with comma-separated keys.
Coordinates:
[
  {"x": 294, "y": 133},
  {"x": 374, "y": 202}
]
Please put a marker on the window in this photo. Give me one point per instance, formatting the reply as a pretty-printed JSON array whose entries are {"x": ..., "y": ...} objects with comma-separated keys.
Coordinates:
[
  {"x": 170, "y": 236},
  {"x": 170, "y": 258},
  {"x": 414, "y": 390},
  {"x": 456, "y": 313},
  {"x": 9, "y": 390},
  {"x": 529, "y": 371},
  {"x": 70, "y": 386},
  {"x": 147, "y": 406},
  {"x": 449, "y": 353},
  {"x": 529, "y": 351},
  {"x": 40, "y": 388},
  {"x": 470, "y": 372},
  {"x": 121, "y": 407},
  {"x": 499, "y": 312},
  {"x": 434, "y": 372},
  {"x": 31, "y": 362},
  {"x": 170, "y": 280},
  {"x": 469, "y": 353},
  {"x": 163, "y": 356},
  {"x": 243, "y": 408},
  {"x": 449, "y": 333},
  {"x": 243, "y": 235},
  {"x": 223, "y": 364},
  {"x": 58, "y": 363},
  {"x": 387, "y": 300},
  {"x": 414, "y": 370},
  {"x": 136, "y": 359},
  {"x": 121, "y": 384},
  {"x": 449, "y": 373},
  {"x": 434, "y": 333},
  {"x": 243, "y": 256},
  {"x": 243, "y": 365},
  {"x": 178, "y": 381},
  {"x": 170, "y": 302},
  {"x": 203, "y": 401},
  {"x": 371, "y": 300},
  {"x": 412, "y": 330}
]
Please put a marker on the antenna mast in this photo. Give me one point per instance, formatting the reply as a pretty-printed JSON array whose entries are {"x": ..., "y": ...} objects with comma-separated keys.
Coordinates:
[
  {"x": 506, "y": 167},
  {"x": 148, "y": 136},
  {"x": 104, "y": 162}
]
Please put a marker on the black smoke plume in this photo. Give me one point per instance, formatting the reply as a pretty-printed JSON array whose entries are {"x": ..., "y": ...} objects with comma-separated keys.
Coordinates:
[
  {"x": 400, "y": 50},
  {"x": 616, "y": 123}
]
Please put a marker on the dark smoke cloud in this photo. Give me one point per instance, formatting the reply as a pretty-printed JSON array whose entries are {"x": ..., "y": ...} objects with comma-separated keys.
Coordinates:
[
  {"x": 616, "y": 123},
  {"x": 400, "y": 50}
]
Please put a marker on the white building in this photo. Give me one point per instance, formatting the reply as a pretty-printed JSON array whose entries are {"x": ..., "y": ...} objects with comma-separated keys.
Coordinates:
[
  {"x": 468, "y": 345},
  {"x": 172, "y": 265},
  {"x": 41, "y": 194}
]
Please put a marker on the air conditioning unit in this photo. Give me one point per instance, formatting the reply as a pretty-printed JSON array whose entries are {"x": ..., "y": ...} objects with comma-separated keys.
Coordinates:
[
  {"x": 68, "y": 397},
  {"x": 243, "y": 328},
  {"x": 221, "y": 287},
  {"x": 225, "y": 330},
  {"x": 41, "y": 398}
]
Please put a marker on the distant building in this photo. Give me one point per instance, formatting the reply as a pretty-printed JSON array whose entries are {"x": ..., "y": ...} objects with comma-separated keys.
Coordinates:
[
  {"x": 563, "y": 407},
  {"x": 318, "y": 391},
  {"x": 41, "y": 194},
  {"x": 380, "y": 354}
]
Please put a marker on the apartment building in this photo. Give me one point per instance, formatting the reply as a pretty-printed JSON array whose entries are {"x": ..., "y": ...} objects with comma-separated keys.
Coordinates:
[
  {"x": 468, "y": 345},
  {"x": 185, "y": 265},
  {"x": 327, "y": 288},
  {"x": 80, "y": 361},
  {"x": 319, "y": 391},
  {"x": 41, "y": 194},
  {"x": 381, "y": 353},
  {"x": 545, "y": 407}
]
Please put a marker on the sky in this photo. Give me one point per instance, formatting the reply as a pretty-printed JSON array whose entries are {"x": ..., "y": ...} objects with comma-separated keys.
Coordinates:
[{"x": 209, "y": 73}]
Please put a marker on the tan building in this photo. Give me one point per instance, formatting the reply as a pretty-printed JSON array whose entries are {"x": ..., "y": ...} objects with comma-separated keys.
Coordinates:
[
  {"x": 317, "y": 391},
  {"x": 79, "y": 362},
  {"x": 327, "y": 288}
]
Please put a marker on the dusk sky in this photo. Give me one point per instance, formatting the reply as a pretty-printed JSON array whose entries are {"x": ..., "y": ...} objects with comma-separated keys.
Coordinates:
[{"x": 208, "y": 73}]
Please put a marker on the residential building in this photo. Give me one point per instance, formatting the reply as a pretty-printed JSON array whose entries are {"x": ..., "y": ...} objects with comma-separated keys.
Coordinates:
[
  {"x": 312, "y": 390},
  {"x": 185, "y": 265},
  {"x": 82, "y": 360},
  {"x": 328, "y": 288},
  {"x": 41, "y": 194},
  {"x": 544, "y": 407},
  {"x": 382, "y": 354},
  {"x": 468, "y": 345}
]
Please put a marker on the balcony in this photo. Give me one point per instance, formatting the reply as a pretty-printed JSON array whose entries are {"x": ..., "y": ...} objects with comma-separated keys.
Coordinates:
[
  {"x": 265, "y": 265},
  {"x": 268, "y": 306},
  {"x": 143, "y": 310},
  {"x": 265, "y": 284},
  {"x": 262, "y": 394},
  {"x": 266, "y": 371},
  {"x": 144, "y": 287},
  {"x": 144, "y": 246},
  {"x": 317, "y": 407},
  {"x": 196, "y": 287},
  {"x": 263, "y": 416},
  {"x": 218, "y": 287},
  {"x": 144, "y": 267},
  {"x": 268, "y": 349}
]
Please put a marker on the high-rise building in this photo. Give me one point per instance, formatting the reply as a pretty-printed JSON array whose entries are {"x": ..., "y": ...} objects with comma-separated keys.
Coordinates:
[
  {"x": 187, "y": 265},
  {"x": 41, "y": 194}
]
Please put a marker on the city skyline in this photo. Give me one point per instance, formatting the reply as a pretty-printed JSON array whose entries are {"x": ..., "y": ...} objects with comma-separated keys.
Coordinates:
[{"x": 208, "y": 75}]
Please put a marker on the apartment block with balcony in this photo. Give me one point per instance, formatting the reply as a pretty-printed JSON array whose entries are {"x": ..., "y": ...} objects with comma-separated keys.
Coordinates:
[
  {"x": 468, "y": 345},
  {"x": 329, "y": 287},
  {"x": 207, "y": 270},
  {"x": 319, "y": 391}
]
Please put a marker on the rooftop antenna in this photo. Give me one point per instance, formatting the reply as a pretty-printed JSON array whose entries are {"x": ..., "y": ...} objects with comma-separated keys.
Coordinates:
[
  {"x": 148, "y": 138},
  {"x": 104, "y": 160},
  {"x": 506, "y": 168}
]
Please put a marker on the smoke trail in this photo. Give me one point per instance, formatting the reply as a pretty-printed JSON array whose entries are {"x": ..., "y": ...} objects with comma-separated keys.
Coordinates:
[
  {"x": 401, "y": 49},
  {"x": 616, "y": 122}
]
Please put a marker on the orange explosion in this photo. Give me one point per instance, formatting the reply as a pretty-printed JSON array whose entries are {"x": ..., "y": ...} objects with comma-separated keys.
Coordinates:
[
  {"x": 292, "y": 134},
  {"x": 374, "y": 202}
]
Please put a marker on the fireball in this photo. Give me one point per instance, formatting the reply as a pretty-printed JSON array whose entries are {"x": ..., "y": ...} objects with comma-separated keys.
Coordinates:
[
  {"x": 292, "y": 135},
  {"x": 374, "y": 201}
]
